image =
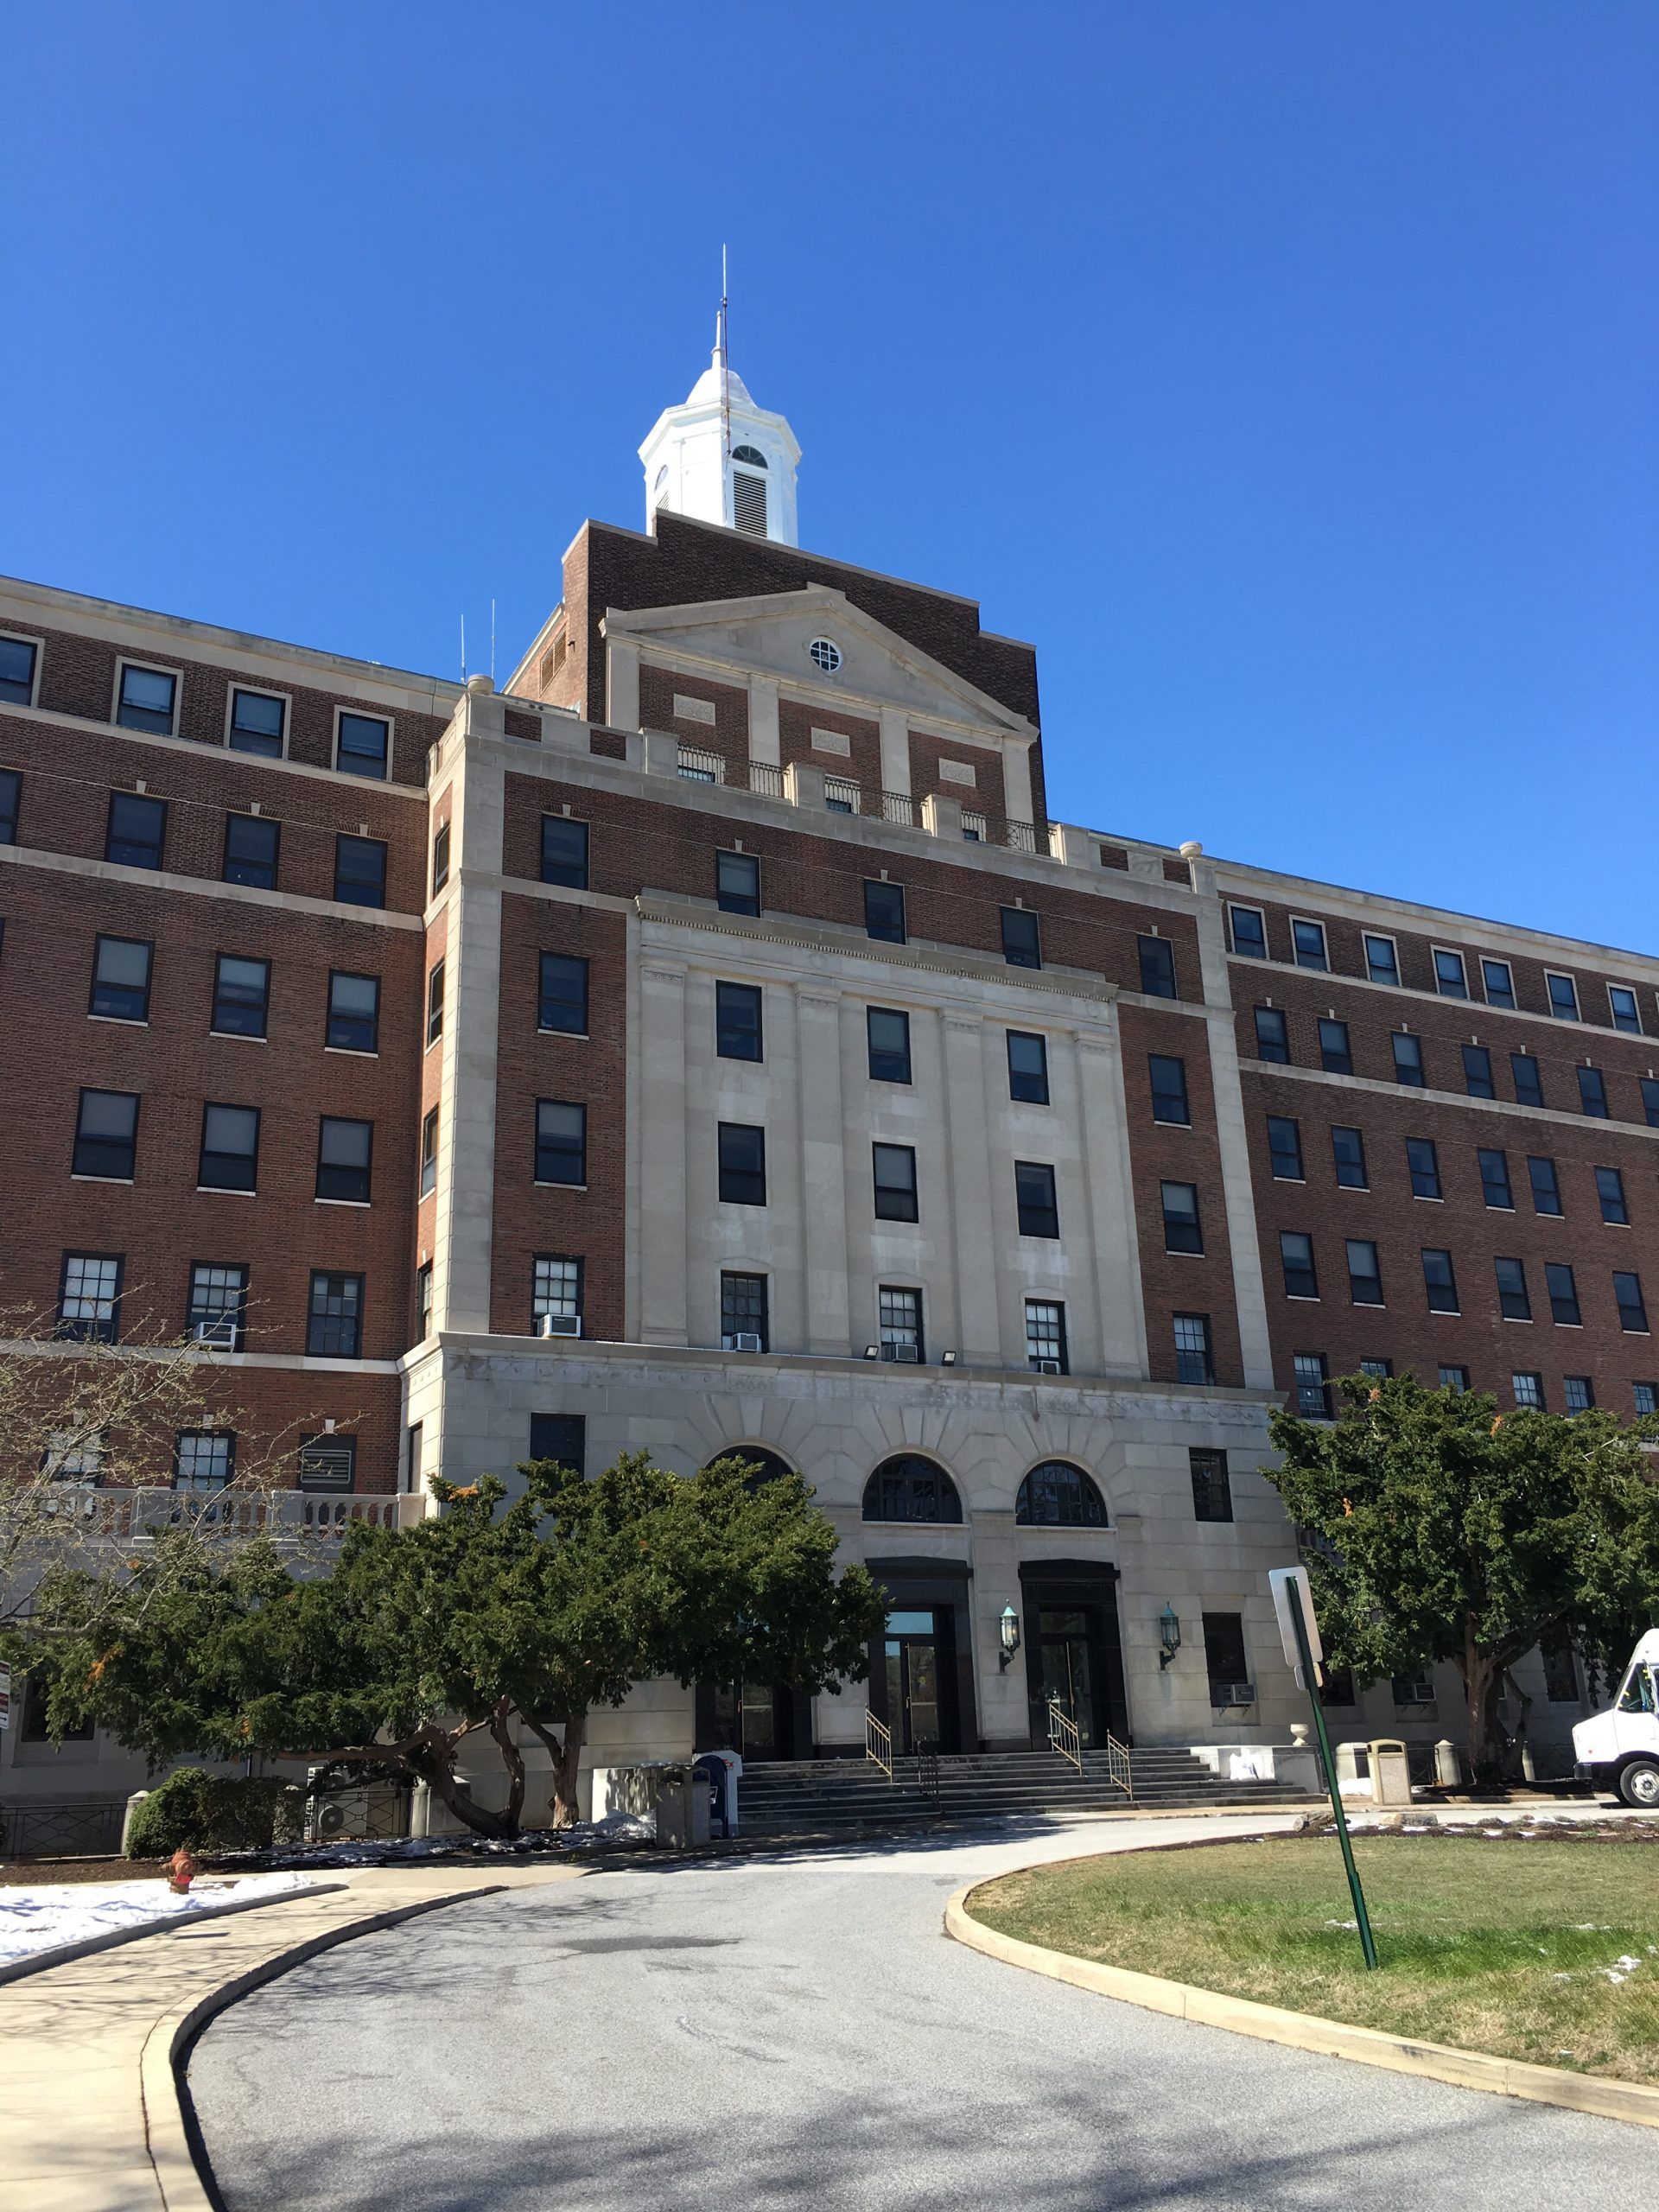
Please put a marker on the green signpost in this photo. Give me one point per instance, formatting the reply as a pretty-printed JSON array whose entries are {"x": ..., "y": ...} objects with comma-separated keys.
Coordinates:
[{"x": 1292, "y": 1601}]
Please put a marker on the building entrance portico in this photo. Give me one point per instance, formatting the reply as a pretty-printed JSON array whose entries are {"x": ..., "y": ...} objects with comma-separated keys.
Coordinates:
[{"x": 1073, "y": 1653}]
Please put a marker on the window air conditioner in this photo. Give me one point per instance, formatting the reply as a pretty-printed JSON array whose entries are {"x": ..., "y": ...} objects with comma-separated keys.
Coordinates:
[
  {"x": 907, "y": 1355},
  {"x": 745, "y": 1340},
  {"x": 1232, "y": 1693},
  {"x": 560, "y": 1324},
  {"x": 1048, "y": 1366},
  {"x": 221, "y": 1331}
]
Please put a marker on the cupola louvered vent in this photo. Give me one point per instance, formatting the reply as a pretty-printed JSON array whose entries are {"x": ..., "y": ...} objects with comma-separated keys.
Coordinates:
[{"x": 749, "y": 503}]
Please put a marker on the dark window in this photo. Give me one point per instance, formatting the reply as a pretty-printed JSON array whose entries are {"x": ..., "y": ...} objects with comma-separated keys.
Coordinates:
[
  {"x": 429, "y": 1151},
  {"x": 737, "y": 1023},
  {"x": 1563, "y": 1294},
  {"x": 1250, "y": 933},
  {"x": 1335, "y": 1056},
  {"x": 440, "y": 858},
  {"x": 1045, "y": 1335},
  {"x": 743, "y": 1311},
  {"x": 1033, "y": 1191},
  {"x": 434, "y": 1002},
  {"x": 364, "y": 746},
  {"x": 1272, "y": 1035},
  {"x": 241, "y": 997},
  {"x": 1497, "y": 982},
  {"x": 894, "y": 1168},
  {"x": 257, "y": 721},
  {"x": 218, "y": 1305},
  {"x": 1027, "y": 1067},
  {"x": 1057, "y": 1495},
  {"x": 565, "y": 852},
  {"x": 353, "y": 1013},
  {"x": 562, "y": 1438},
  {"x": 121, "y": 969},
  {"x": 1561, "y": 1672},
  {"x": 1296, "y": 1255},
  {"x": 1338, "y": 1688},
  {"x": 1440, "y": 1282},
  {"x": 1646, "y": 1399},
  {"x": 1224, "y": 1659},
  {"x": 1514, "y": 1300},
  {"x": 1423, "y": 1164},
  {"x": 17, "y": 657},
  {"x": 1546, "y": 1189},
  {"x": 1182, "y": 1230},
  {"x": 250, "y": 848},
  {"x": 359, "y": 871},
  {"x": 1528, "y": 1083},
  {"x": 89, "y": 1296},
  {"x": 1651, "y": 1100},
  {"x": 1157, "y": 967},
  {"x": 1285, "y": 1148},
  {"x": 334, "y": 1321},
  {"x": 147, "y": 695},
  {"x": 1364, "y": 1273},
  {"x": 737, "y": 883},
  {"x": 887, "y": 1042},
  {"x": 1450, "y": 980},
  {"x": 1455, "y": 1379},
  {"x": 203, "y": 1458},
  {"x": 136, "y": 835},
  {"x": 742, "y": 1164},
  {"x": 106, "y": 1135},
  {"x": 910, "y": 1488},
  {"x": 1495, "y": 1185},
  {"x": 1528, "y": 1390},
  {"x": 562, "y": 997},
  {"x": 1610, "y": 1189},
  {"x": 345, "y": 1150},
  {"x": 1477, "y": 1072},
  {"x": 1168, "y": 1089},
  {"x": 1308, "y": 940},
  {"x": 328, "y": 1462},
  {"x": 1212, "y": 1492},
  {"x": 1563, "y": 997},
  {"x": 1348, "y": 1152},
  {"x": 1622, "y": 1001},
  {"x": 1381, "y": 961},
  {"x": 1022, "y": 941},
  {"x": 11, "y": 788},
  {"x": 554, "y": 1295},
  {"x": 1632, "y": 1307},
  {"x": 1407, "y": 1059},
  {"x": 898, "y": 1315},
  {"x": 561, "y": 1142},
  {"x": 884, "y": 911},
  {"x": 1312, "y": 1385},
  {"x": 1592, "y": 1092},
  {"x": 1377, "y": 1370},
  {"x": 1195, "y": 1359},
  {"x": 229, "y": 1148}
]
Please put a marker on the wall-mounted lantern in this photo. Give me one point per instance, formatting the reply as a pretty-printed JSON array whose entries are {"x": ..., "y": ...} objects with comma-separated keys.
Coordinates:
[
  {"x": 1009, "y": 1630},
  {"x": 1169, "y": 1636}
]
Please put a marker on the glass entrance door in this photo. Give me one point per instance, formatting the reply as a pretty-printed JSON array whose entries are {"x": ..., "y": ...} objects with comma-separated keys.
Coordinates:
[
  {"x": 1063, "y": 1671},
  {"x": 753, "y": 1718},
  {"x": 913, "y": 1679}
]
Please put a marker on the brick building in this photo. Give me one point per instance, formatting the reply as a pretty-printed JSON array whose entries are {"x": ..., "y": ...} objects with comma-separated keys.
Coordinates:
[{"x": 712, "y": 1041}]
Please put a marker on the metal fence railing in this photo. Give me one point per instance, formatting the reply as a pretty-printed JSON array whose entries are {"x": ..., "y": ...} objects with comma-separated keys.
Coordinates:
[{"x": 89, "y": 1829}]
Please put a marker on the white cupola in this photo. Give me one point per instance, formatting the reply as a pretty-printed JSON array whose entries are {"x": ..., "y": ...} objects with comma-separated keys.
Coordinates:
[{"x": 720, "y": 458}]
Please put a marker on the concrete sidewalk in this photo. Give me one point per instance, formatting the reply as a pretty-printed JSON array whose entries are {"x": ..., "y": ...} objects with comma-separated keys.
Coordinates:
[{"x": 90, "y": 2116}]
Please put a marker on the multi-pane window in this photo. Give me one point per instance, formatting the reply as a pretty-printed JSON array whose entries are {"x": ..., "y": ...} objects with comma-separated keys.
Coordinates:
[
  {"x": 106, "y": 1135},
  {"x": 883, "y": 912},
  {"x": 1610, "y": 1189},
  {"x": 147, "y": 700},
  {"x": 121, "y": 968},
  {"x": 742, "y": 1156},
  {"x": 1560, "y": 1670},
  {"x": 561, "y": 1142},
  {"x": 1157, "y": 967},
  {"x": 1651, "y": 1100},
  {"x": 359, "y": 871},
  {"x": 1495, "y": 1187},
  {"x": 561, "y": 995},
  {"x": 1034, "y": 1196},
  {"x": 1646, "y": 1399},
  {"x": 1527, "y": 1390},
  {"x": 1307, "y": 940},
  {"x": 1563, "y": 996},
  {"x": 1364, "y": 1273},
  {"x": 1195, "y": 1359},
  {"x": 1514, "y": 1300},
  {"x": 1182, "y": 1231},
  {"x": 203, "y": 1458},
  {"x": 1168, "y": 1089},
  {"x": 353, "y": 1013},
  {"x": 562, "y": 1438},
  {"x": 738, "y": 1034},
  {"x": 229, "y": 1148},
  {"x": 1563, "y": 1294},
  {"x": 440, "y": 858},
  {"x": 1381, "y": 960},
  {"x": 241, "y": 997},
  {"x": 333, "y": 1326},
  {"x": 219, "y": 1304},
  {"x": 135, "y": 835},
  {"x": 737, "y": 883},
  {"x": 1312, "y": 1385},
  {"x": 887, "y": 1038},
  {"x": 1336, "y": 1055},
  {"x": 1622, "y": 1003},
  {"x": 743, "y": 1313},
  {"x": 11, "y": 791},
  {"x": 1377, "y": 1370},
  {"x": 1423, "y": 1163},
  {"x": 257, "y": 723},
  {"x": 434, "y": 1002},
  {"x": 1529, "y": 1079},
  {"x": 73, "y": 1455},
  {"x": 1497, "y": 982},
  {"x": 1455, "y": 1379},
  {"x": 1057, "y": 1495},
  {"x": 1592, "y": 1093},
  {"x": 1212, "y": 1492},
  {"x": 1027, "y": 1067},
  {"x": 900, "y": 1325},
  {"x": 17, "y": 658},
  {"x": 909, "y": 1488},
  {"x": 1046, "y": 1351},
  {"x": 422, "y": 1326},
  {"x": 1272, "y": 1035},
  {"x": 1439, "y": 1281},
  {"x": 1285, "y": 1148},
  {"x": 363, "y": 746},
  {"x": 1225, "y": 1659},
  {"x": 893, "y": 1166},
  {"x": 429, "y": 1152},
  {"x": 1632, "y": 1306},
  {"x": 1407, "y": 1058},
  {"x": 564, "y": 851},
  {"x": 1249, "y": 932},
  {"x": 89, "y": 1296},
  {"x": 1348, "y": 1153},
  {"x": 1022, "y": 939},
  {"x": 251, "y": 845},
  {"x": 1477, "y": 1072},
  {"x": 1296, "y": 1258},
  {"x": 1546, "y": 1186},
  {"x": 1450, "y": 979},
  {"x": 554, "y": 1293},
  {"x": 345, "y": 1155}
]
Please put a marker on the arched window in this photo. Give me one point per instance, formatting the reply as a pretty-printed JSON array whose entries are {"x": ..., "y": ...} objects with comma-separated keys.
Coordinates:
[
  {"x": 752, "y": 456},
  {"x": 765, "y": 1467},
  {"x": 1057, "y": 1495},
  {"x": 910, "y": 1488}
]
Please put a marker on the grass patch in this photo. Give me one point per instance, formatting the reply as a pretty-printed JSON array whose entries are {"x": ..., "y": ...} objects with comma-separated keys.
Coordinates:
[{"x": 1514, "y": 1950}]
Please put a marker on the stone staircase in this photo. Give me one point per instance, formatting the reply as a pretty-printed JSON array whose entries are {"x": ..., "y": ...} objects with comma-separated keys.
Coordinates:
[{"x": 810, "y": 1796}]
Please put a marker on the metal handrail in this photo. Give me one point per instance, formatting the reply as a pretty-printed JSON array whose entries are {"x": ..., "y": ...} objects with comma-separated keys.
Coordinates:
[
  {"x": 1118, "y": 1768},
  {"x": 899, "y": 807},
  {"x": 766, "y": 778},
  {"x": 1063, "y": 1736},
  {"x": 843, "y": 791},
  {"x": 878, "y": 1743}
]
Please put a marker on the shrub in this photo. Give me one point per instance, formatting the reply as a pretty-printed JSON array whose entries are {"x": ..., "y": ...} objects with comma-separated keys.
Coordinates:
[{"x": 205, "y": 1812}]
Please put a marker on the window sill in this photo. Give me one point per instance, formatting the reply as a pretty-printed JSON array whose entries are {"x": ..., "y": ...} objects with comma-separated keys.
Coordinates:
[
  {"x": 581, "y": 1036},
  {"x": 1447, "y": 1312},
  {"x": 1566, "y": 1325},
  {"x": 1303, "y": 1298},
  {"x": 1423, "y": 1199},
  {"x": 361, "y": 1204},
  {"x": 1293, "y": 1179},
  {"x": 121, "y": 1020},
  {"x": 238, "y": 1037},
  {"x": 126, "y": 1179},
  {"x": 537, "y": 1184},
  {"x": 223, "y": 1190},
  {"x": 355, "y": 1051},
  {"x": 1517, "y": 1320},
  {"x": 1173, "y": 1252}
]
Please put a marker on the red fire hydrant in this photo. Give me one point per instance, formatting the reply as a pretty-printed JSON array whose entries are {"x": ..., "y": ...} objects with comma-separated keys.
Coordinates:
[{"x": 181, "y": 1869}]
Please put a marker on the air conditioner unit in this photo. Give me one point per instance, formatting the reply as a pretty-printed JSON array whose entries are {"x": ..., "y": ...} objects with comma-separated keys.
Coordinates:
[
  {"x": 560, "y": 1324},
  {"x": 221, "y": 1332},
  {"x": 1048, "y": 1366},
  {"x": 907, "y": 1355},
  {"x": 745, "y": 1340},
  {"x": 1227, "y": 1694}
]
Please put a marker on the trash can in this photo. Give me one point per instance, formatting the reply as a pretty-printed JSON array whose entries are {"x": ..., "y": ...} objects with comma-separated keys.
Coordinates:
[
  {"x": 1390, "y": 1773},
  {"x": 718, "y": 1772}
]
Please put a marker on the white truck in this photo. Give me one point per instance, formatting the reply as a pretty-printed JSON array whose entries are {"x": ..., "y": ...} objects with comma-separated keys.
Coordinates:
[{"x": 1618, "y": 1750}]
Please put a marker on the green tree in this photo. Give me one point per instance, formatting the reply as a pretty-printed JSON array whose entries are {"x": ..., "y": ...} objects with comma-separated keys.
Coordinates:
[{"x": 1442, "y": 1529}]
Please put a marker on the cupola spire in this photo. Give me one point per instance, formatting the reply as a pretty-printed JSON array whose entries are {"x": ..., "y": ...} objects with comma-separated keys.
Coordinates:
[{"x": 719, "y": 457}]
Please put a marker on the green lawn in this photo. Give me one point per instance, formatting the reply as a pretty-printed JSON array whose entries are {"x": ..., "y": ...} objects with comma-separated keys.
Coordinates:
[{"x": 1503, "y": 1946}]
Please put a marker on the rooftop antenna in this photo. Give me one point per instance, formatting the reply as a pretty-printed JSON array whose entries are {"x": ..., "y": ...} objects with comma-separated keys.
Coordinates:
[
  {"x": 463, "y": 648},
  {"x": 723, "y": 347},
  {"x": 492, "y": 641}
]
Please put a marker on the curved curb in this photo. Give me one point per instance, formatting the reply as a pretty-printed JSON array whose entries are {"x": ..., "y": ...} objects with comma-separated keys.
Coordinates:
[
  {"x": 1436, "y": 2061},
  {"x": 66, "y": 1953}
]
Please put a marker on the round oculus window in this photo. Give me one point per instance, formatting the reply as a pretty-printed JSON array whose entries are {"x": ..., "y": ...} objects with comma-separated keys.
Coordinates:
[{"x": 825, "y": 654}]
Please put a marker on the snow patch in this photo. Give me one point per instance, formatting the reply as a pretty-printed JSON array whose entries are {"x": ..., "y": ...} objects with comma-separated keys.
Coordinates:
[{"x": 34, "y": 1922}]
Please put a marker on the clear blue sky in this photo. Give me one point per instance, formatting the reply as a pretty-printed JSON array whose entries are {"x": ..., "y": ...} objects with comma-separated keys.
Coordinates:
[{"x": 1285, "y": 372}]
